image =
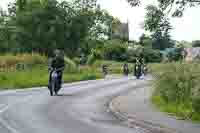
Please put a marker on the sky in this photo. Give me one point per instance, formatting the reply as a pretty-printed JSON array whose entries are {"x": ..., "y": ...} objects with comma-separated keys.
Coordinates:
[{"x": 186, "y": 28}]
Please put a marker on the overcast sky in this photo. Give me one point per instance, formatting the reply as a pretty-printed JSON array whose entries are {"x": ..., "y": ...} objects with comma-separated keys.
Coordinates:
[{"x": 185, "y": 28}]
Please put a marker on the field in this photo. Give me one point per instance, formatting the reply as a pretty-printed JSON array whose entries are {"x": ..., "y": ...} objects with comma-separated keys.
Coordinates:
[
  {"x": 26, "y": 70},
  {"x": 177, "y": 89}
]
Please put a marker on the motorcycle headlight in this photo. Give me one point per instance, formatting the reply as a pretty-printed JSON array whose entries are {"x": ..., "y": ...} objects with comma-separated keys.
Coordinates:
[{"x": 54, "y": 74}]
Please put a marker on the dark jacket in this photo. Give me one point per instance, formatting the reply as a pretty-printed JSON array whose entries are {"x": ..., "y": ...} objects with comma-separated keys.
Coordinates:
[{"x": 57, "y": 62}]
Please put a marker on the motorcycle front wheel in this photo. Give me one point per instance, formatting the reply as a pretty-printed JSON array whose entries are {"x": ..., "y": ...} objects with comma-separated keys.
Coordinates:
[{"x": 53, "y": 86}]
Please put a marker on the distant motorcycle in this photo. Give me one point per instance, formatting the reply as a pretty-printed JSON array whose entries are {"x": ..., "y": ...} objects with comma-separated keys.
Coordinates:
[
  {"x": 105, "y": 70},
  {"x": 138, "y": 71},
  {"x": 145, "y": 70},
  {"x": 125, "y": 70}
]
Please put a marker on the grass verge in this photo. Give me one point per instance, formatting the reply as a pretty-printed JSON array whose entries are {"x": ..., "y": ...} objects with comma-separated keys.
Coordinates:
[
  {"x": 180, "y": 112},
  {"x": 39, "y": 77},
  {"x": 176, "y": 90}
]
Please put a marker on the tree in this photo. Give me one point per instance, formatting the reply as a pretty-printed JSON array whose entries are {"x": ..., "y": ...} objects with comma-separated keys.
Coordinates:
[
  {"x": 196, "y": 43},
  {"x": 2, "y": 16},
  {"x": 168, "y": 5},
  {"x": 145, "y": 41},
  {"x": 100, "y": 31},
  {"x": 21, "y": 4},
  {"x": 44, "y": 25},
  {"x": 158, "y": 24},
  {"x": 114, "y": 50},
  {"x": 4, "y": 31}
]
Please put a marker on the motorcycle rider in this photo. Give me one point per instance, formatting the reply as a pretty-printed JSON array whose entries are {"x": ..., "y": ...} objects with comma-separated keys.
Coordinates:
[
  {"x": 138, "y": 67},
  {"x": 105, "y": 69},
  {"x": 125, "y": 69},
  {"x": 142, "y": 66},
  {"x": 57, "y": 63}
]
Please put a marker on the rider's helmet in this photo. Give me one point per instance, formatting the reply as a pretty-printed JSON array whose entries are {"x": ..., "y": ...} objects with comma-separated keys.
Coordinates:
[{"x": 58, "y": 54}]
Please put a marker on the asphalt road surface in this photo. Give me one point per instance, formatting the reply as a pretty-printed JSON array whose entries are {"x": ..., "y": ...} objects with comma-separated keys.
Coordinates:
[{"x": 80, "y": 108}]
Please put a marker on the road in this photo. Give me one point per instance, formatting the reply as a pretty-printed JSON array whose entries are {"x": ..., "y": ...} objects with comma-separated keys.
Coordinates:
[{"x": 80, "y": 108}]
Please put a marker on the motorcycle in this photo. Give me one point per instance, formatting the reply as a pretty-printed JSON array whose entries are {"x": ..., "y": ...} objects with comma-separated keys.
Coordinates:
[
  {"x": 55, "y": 86},
  {"x": 138, "y": 71},
  {"x": 105, "y": 70},
  {"x": 145, "y": 70},
  {"x": 126, "y": 71}
]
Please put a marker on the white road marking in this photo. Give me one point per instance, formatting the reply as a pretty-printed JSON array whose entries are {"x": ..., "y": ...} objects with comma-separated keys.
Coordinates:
[
  {"x": 1, "y": 105},
  {"x": 11, "y": 129},
  {"x": 5, "y": 108}
]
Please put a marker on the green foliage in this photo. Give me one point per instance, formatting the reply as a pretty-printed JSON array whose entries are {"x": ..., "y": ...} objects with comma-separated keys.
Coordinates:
[
  {"x": 161, "y": 41},
  {"x": 177, "y": 86},
  {"x": 76, "y": 60},
  {"x": 152, "y": 56},
  {"x": 132, "y": 55},
  {"x": 196, "y": 43},
  {"x": 95, "y": 55},
  {"x": 115, "y": 50},
  {"x": 176, "y": 7},
  {"x": 30, "y": 59},
  {"x": 44, "y": 25},
  {"x": 196, "y": 104},
  {"x": 158, "y": 24},
  {"x": 154, "y": 18},
  {"x": 71, "y": 66},
  {"x": 175, "y": 55},
  {"x": 134, "y": 52},
  {"x": 38, "y": 76},
  {"x": 145, "y": 41}
]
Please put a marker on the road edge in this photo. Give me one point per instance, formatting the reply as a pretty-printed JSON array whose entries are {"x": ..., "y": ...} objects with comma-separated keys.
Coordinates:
[{"x": 133, "y": 121}]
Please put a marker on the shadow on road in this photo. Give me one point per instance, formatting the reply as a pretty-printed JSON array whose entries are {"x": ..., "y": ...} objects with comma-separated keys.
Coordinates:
[{"x": 64, "y": 95}]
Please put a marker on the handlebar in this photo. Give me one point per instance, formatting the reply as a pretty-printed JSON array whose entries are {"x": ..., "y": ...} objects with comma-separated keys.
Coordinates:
[{"x": 54, "y": 69}]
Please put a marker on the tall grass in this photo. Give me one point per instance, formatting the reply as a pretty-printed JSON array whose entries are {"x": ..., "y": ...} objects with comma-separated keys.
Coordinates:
[
  {"x": 177, "y": 89},
  {"x": 38, "y": 74},
  {"x": 9, "y": 60},
  {"x": 71, "y": 66},
  {"x": 21, "y": 79}
]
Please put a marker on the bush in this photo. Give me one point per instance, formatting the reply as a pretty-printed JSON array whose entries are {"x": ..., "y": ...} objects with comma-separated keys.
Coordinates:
[
  {"x": 114, "y": 50},
  {"x": 149, "y": 54},
  {"x": 152, "y": 56},
  {"x": 175, "y": 55},
  {"x": 30, "y": 59},
  {"x": 196, "y": 104},
  {"x": 178, "y": 86},
  {"x": 131, "y": 55},
  {"x": 95, "y": 55},
  {"x": 176, "y": 83},
  {"x": 196, "y": 43},
  {"x": 38, "y": 76},
  {"x": 76, "y": 60},
  {"x": 70, "y": 65}
]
